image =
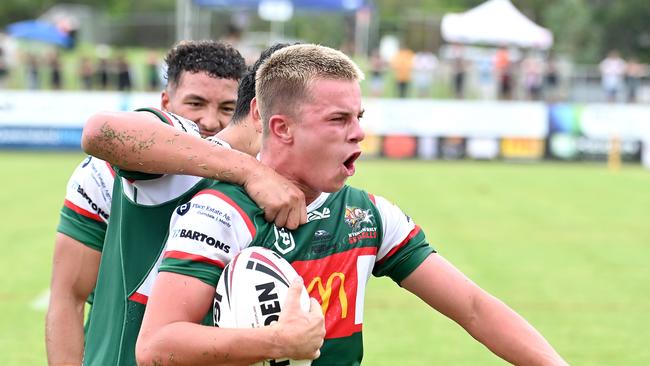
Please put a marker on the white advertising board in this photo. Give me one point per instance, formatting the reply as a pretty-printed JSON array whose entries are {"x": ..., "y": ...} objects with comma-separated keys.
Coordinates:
[{"x": 420, "y": 117}]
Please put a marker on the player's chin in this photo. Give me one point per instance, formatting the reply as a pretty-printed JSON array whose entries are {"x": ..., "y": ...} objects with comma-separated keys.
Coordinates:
[{"x": 335, "y": 184}]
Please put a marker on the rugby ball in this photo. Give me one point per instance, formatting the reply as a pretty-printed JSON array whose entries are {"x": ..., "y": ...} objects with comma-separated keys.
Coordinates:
[{"x": 251, "y": 293}]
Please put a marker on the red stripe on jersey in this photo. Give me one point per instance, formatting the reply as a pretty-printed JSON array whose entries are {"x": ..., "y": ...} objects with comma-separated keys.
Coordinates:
[
  {"x": 165, "y": 116},
  {"x": 193, "y": 257},
  {"x": 228, "y": 200},
  {"x": 110, "y": 169},
  {"x": 372, "y": 198},
  {"x": 410, "y": 236},
  {"x": 139, "y": 298},
  {"x": 81, "y": 211}
]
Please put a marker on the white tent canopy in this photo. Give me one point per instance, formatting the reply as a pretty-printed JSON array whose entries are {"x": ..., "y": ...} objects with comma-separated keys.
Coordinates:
[{"x": 495, "y": 22}]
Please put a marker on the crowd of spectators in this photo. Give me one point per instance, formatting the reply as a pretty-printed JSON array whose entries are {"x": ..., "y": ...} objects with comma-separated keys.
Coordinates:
[
  {"x": 621, "y": 79},
  {"x": 501, "y": 73},
  {"x": 46, "y": 71},
  {"x": 450, "y": 72}
]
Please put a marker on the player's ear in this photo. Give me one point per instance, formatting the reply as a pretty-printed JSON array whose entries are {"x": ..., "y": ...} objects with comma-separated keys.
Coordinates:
[
  {"x": 164, "y": 100},
  {"x": 254, "y": 114},
  {"x": 280, "y": 126}
]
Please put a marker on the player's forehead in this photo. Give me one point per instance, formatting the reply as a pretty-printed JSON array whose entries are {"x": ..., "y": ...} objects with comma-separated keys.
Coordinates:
[
  {"x": 203, "y": 84},
  {"x": 327, "y": 96}
]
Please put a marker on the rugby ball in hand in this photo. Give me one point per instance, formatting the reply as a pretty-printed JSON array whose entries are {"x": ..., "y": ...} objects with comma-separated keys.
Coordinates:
[{"x": 251, "y": 293}]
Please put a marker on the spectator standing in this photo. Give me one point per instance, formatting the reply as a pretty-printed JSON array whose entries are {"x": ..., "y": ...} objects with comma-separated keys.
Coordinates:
[
  {"x": 377, "y": 71},
  {"x": 153, "y": 71},
  {"x": 551, "y": 79},
  {"x": 86, "y": 73},
  {"x": 153, "y": 68},
  {"x": 102, "y": 73},
  {"x": 486, "y": 78},
  {"x": 54, "y": 63},
  {"x": 33, "y": 67},
  {"x": 402, "y": 65},
  {"x": 424, "y": 64},
  {"x": 458, "y": 71},
  {"x": 633, "y": 74},
  {"x": 4, "y": 69},
  {"x": 123, "y": 74},
  {"x": 503, "y": 71},
  {"x": 533, "y": 76},
  {"x": 612, "y": 71}
]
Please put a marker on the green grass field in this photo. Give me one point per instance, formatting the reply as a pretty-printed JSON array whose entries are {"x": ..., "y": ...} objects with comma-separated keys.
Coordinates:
[{"x": 568, "y": 246}]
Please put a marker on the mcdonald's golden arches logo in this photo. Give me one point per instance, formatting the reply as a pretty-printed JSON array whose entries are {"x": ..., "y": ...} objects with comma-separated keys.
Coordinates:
[{"x": 325, "y": 291}]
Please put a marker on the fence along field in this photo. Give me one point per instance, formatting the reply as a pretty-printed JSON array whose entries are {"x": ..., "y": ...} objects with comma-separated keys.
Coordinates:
[{"x": 566, "y": 245}]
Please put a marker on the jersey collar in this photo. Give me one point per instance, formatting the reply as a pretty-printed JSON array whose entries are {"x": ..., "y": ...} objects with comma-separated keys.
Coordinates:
[{"x": 318, "y": 202}]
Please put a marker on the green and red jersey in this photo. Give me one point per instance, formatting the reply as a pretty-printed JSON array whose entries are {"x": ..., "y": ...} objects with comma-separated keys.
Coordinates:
[{"x": 349, "y": 235}]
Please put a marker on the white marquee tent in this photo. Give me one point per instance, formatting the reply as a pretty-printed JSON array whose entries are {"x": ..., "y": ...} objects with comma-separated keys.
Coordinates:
[{"x": 495, "y": 22}]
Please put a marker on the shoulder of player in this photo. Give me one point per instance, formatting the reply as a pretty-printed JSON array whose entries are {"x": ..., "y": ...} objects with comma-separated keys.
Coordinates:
[
  {"x": 357, "y": 197},
  {"x": 172, "y": 119},
  {"x": 225, "y": 204},
  {"x": 92, "y": 172},
  {"x": 353, "y": 193},
  {"x": 229, "y": 194}
]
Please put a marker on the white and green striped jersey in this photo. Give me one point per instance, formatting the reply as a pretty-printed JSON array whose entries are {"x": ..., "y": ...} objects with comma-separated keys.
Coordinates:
[{"x": 87, "y": 204}]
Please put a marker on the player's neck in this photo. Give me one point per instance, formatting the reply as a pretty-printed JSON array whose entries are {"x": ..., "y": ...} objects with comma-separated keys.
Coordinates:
[
  {"x": 241, "y": 138},
  {"x": 277, "y": 160}
]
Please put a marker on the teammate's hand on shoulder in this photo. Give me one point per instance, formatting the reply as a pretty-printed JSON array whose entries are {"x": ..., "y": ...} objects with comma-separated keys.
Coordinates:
[
  {"x": 301, "y": 332},
  {"x": 283, "y": 203}
]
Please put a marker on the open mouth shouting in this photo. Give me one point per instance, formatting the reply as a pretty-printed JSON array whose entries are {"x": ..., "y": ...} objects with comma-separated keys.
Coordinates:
[{"x": 348, "y": 164}]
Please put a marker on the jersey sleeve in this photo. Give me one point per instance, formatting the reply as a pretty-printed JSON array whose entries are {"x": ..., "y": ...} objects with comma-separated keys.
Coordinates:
[
  {"x": 403, "y": 246},
  {"x": 204, "y": 235},
  {"x": 171, "y": 119},
  {"x": 87, "y": 204}
]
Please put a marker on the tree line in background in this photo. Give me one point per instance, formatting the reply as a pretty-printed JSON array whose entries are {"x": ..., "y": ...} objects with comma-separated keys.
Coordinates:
[{"x": 584, "y": 29}]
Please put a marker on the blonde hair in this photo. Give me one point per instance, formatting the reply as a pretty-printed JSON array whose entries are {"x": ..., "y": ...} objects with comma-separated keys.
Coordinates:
[{"x": 285, "y": 78}]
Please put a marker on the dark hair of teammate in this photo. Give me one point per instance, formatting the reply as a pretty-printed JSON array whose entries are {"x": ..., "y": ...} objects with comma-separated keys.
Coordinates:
[
  {"x": 217, "y": 59},
  {"x": 246, "y": 90}
]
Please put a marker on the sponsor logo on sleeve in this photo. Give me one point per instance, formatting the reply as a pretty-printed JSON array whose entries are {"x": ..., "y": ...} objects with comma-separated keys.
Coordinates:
[
  {"x": 213, "y": 213},
  {"x": 201, "y": 238},
  {"x": 92, "y": 204},
  {"x": 86, "y": 161},
  {"x": 183, "y": 209}
]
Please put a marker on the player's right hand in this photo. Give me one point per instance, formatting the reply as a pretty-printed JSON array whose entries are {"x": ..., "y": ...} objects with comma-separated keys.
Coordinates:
[
  {"x": 302, "y": 331},
  {"x": 283, "y": 203}
]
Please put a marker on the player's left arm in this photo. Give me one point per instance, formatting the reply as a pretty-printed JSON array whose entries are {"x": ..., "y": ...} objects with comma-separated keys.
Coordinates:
[
  {"x": 408, "y": 259},
  {"x": 441, "y": 285},
  {"x": 77, "y": 252},
  {"x": 74, "y": 273}
]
